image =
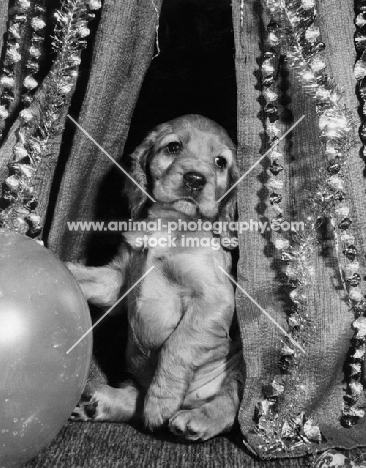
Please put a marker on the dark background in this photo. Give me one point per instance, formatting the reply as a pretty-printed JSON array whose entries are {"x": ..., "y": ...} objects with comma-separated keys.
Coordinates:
[{"x": 195, "y": 70}]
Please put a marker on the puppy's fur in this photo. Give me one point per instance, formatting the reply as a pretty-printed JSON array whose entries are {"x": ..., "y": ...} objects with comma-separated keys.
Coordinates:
[{"x": 185, "y": 369}]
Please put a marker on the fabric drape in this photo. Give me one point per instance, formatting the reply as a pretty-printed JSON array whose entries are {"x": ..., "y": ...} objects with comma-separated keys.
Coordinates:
[
  {"x": 122, "y": 52},
  {"x": 321, "y": 373}
]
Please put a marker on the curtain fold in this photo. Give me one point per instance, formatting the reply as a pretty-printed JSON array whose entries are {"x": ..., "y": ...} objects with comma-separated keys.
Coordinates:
[
  {"x": 3, "y": 20},
  {"x": 16, "y": 130},
  {"x": 317, "y": 385},
  {"x": 123, "y": 50}
]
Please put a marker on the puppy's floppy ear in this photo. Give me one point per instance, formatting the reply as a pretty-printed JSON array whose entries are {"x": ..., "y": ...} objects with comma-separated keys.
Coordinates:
[
  {"x": 227, "y": 211},
  {"x": 140, "y": 172}
]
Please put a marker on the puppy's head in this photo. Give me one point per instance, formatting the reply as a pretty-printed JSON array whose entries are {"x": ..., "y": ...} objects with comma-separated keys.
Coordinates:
[{"x": 186, "y": 165}]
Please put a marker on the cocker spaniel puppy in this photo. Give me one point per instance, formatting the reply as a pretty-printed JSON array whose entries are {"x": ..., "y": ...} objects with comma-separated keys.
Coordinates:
[{"x": 186, "y": 371}]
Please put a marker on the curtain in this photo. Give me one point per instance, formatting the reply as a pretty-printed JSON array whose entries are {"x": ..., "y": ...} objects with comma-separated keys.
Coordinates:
[
  {"x": 320, "y": 387},
  {"x": 122, "y": 52}
]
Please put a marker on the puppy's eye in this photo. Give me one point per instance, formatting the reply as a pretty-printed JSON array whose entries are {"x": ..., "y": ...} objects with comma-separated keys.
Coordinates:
[
  {"x": 174, "y": 147},
  {"x": 220, "y": 162}
]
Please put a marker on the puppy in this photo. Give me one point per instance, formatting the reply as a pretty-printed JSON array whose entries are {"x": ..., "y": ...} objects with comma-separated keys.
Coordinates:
[{"x": 186, "y": 371}]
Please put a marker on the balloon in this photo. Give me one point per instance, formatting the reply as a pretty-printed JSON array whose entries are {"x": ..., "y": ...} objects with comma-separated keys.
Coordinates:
[{"x": 42, "y": 314}]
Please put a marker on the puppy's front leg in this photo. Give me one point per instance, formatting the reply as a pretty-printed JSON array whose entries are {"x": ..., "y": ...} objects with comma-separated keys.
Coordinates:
[
  {"x": 201, "y": 335},
  {"x": 101, "y": 285},
  {"x": 110, "y": 404}
]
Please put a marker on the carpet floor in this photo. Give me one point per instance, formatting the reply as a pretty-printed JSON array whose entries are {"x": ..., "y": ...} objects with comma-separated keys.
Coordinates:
[{"x": 108, "y": 445}]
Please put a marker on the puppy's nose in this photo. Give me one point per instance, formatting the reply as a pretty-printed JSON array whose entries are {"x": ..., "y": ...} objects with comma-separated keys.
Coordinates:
[{"x": 194, "y": 180}]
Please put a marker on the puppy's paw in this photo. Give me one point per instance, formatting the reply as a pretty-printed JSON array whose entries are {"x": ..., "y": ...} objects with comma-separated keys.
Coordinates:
[
  {"x": 95, "y": 406},
  {"x": 193, "y": 425},
  {"x": 157, "y": 411},
  {"x": 83, "y": 412}
]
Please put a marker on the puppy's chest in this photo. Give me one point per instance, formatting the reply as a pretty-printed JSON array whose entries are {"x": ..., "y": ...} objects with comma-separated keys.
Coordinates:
[
  {"x": 156, "y": 305},
  {"x": 159, "y": 302}
]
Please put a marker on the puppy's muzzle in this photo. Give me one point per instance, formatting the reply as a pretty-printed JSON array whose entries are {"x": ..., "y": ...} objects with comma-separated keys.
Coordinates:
[{"x": 194, "y": 180}]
